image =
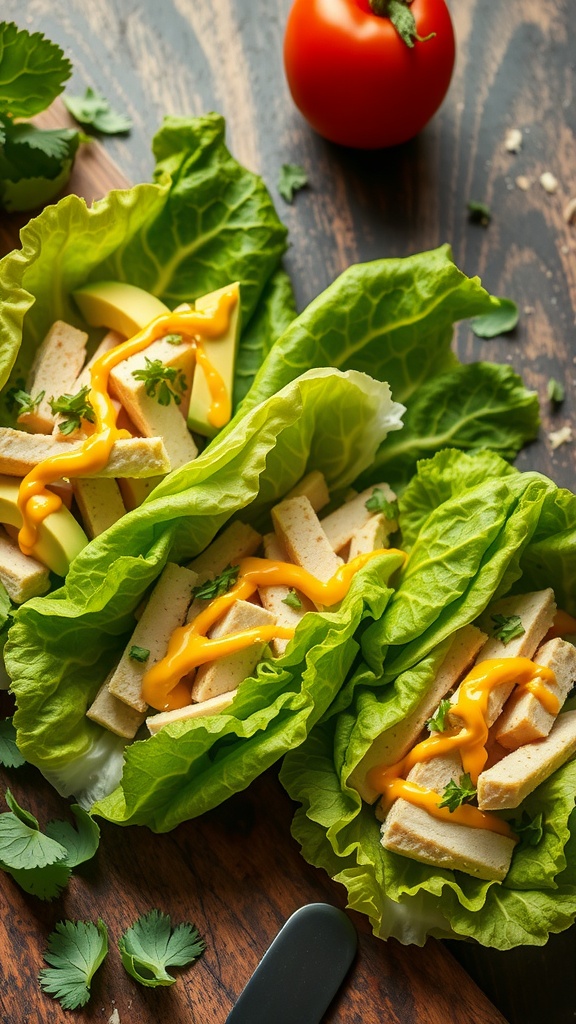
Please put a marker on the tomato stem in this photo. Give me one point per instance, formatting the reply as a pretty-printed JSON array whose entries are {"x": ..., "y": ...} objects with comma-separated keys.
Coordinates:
[{"x": 401, "y": 17}]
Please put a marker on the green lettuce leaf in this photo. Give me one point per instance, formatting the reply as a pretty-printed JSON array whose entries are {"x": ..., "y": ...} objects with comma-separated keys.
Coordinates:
[
  {"x": 205, "y": 222},
  {"x": 460, "y": 571},
  {"x": 331, "y": 421}
]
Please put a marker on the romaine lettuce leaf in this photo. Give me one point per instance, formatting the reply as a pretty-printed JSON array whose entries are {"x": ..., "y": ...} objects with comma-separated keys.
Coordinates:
[
  {"x": 463, "y": 554},
  {"x": 60, "y": 648},
  {"x": 207, "y": 221}
]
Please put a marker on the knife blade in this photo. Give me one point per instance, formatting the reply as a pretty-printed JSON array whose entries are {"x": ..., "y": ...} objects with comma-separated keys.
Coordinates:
[{"x": 301, "y": 971}]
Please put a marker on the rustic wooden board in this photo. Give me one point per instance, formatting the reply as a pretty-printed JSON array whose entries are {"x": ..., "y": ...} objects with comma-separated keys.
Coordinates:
[{"x": 515, "y": 68}]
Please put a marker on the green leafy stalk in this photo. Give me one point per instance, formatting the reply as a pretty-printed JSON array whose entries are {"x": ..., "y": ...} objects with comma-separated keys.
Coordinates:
[{"x": 402, "y": 18}]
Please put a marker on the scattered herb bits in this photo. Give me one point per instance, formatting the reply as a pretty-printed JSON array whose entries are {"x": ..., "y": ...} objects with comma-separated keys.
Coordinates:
[
  {"x": 479, "y": 213},
  {"x": 292, "y": 600},
  {"x": 378, "y": 502},
  {"x": 139, "y": 653},
  {"x": 507, "y": 627},
  {"x": 556, "y": 391},
  {"x": 291, "y": 179},
  {"x": 92, "y": 110},
  {"x": 438, "y": 722},
  {"x": 218, "y": 586},
  {"x": 457, "y": 793},
  {"x": 164, "y": 383},
  {"x": 73, "y": 409}
]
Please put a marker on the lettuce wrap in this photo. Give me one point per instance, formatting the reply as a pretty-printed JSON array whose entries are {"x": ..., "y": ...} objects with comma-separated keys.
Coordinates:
[{"x": 476, "y": 529}]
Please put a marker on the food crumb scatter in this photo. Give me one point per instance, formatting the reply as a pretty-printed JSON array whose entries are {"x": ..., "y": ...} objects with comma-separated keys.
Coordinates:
[
  {"x": 513, "y": 140},
  {"x": 114, "y": 1017},
  {"x": 522, "y": 182},
  {"x": 561, "y": 436},
  {"x": 549, "y": 182}
]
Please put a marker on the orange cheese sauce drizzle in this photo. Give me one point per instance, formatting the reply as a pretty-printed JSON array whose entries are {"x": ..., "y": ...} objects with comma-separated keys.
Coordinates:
[
  {"x": 34, "y": 500},
  {"x": 470, "y": 740},
  {"x": 162, "y": 685}
]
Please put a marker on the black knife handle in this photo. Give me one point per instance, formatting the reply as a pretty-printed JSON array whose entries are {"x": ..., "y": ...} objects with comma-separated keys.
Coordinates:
[{"x": 302, "y": 970}]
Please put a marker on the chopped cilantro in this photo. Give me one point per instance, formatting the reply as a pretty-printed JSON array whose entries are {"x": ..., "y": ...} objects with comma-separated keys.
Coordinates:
[
  {"x": 73, "y": 409},
  {"x": 291, "y": 179},
  {"x": 139, "y": 653},
  {"x": 157, "y": 380},
  {"x": 75, "y": 951},
  {"x": 457, "y": 793},
  {"x": 438, "y": 721},
  {"x": 26, "y": 402},
  {"x": 150, "y": 946},
  {"x": 292, "y": 600},
  {"x": 479, "y": 213},
  {"x": 218, "y": 586},
  {"x": 92, "y": 110},
  {"x": 501, "y": 319},
  {"x": 507, "y": 627},
  {"x": 378, "y": 502},
  {"x": 173, "y": 339},
  {"x": 556, "y": 391}
]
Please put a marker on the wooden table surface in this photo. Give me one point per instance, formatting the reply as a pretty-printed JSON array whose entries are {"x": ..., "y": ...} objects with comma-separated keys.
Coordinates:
[{"x": 237, "y": 873}]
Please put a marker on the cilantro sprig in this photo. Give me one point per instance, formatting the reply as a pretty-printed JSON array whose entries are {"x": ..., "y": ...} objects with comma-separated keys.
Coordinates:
[
  {"x": 34, "y": 163},
  {"x": 73, "y": 409},
  {"x": 438, "y": 722},
  {"x": 378, "y": 502},
  {"x": 139, "y": 653},
  {"x": 218, "y": 586},
  {"x": 150, "y": 946},
  {"x": 10, "y": 756},
  {"x": 75, "y": 951},
  {"x": 92, "y": 110},
  {"x": 457, "y": 793},
  {"x": 291, "y": 179},
  {"x": 161, "y": 382},
  {"x": 27, "y": 402},
  {"x": 292, "y": 600}
]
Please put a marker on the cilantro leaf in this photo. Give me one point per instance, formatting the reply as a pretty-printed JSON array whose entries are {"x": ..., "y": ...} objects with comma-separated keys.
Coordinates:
[
  {"x": 139, "y": 653},
  {"x": 218, "y": 586},
  {"x": 52, "y": 142},
  {"x": 529, "y": 829},
  {"x": 26, "y": 402},
  {"x": 507, "y": 627},
  {"x": 378, "y": 502},
  {"x": 479, "y": 213},
  {"x": 74, "y": 409},
  {"x": 438, "y": 721},
  {"x": 291, "y": 179},
  {"x": 157, "y": 380},
  {"x": 46, "y": 883},
  {"x": 93, "y": 110},
  {"x": 21, "y": 813},
  {"x": 81, "y": 843},
  {"x": 23, "y": 846},
  {"x": 292, "y": 600},
  {"x": 32, "y": 71},
  {"x": 10, "y": 756},
  {"x": 75, "y": 951},
  {"x": 556, "y": 391},
  {"x": 457, "y": 793},
  {"x": 500, "y": 320},
  {"x": 149, "y": 946}
]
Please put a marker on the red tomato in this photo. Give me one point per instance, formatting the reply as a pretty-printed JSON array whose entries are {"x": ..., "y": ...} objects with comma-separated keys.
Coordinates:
[{"x": 355, "y": 79}]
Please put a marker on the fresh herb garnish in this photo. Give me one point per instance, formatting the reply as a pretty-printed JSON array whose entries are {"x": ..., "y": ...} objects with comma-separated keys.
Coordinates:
[
  {"x": 150, "y": 946},
  {"x": 92, "y": 110},
  {"x": 500, "y": 320},
  {"x": 158, "y": 379},
  {"x": 291, "y": 179},
  {"x": 438, "y": 721},
  {"x": 529, "y": 829},
  {"x": 10, "y": 756},
  {"x": 35, "y": 163},
  {"x": 479, "y": 213},
  {"x": 556, "y": 391},
  {"x": 73, "y": 409},
  {"x": 27, "y": 403},
  {"x": 292, "y": 600},
  {"x": 173, "y": 339},
  {"x": 507, "y": 627},
  {"x": 218, "y": 586},
  {"x": 378, "y": 502},
  {"x": 75, "y": 951},
  {"x": 139, "y": 653},
  {"x": 457, "y": 793}
]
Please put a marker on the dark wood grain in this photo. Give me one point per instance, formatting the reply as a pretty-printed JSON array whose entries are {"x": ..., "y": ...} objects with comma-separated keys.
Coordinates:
[{"x": 515, "y": 69}]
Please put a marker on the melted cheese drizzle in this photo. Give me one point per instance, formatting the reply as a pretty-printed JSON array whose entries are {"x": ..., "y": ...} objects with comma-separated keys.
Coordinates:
[
  {"x": 34, "y": 500},
  {"x": 469, "y": 740},
  {"x": 189, "y": 647}
]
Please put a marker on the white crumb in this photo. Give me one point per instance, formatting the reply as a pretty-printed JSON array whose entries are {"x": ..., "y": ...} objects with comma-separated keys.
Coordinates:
[
  {"x": 558, "y": 437},
  {"x": 114, "y": 1017},
  {"x": 549, "y": 182},
  {"x": 523, "y": 182},
  {"x": 513, "y": 140}
]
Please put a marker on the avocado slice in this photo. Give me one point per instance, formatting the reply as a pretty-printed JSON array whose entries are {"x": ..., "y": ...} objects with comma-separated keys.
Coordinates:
[
  {"x": 118, "y": 306},
  {"x": 60, "y": 537},
  {"x": 222, "y": 355}
]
